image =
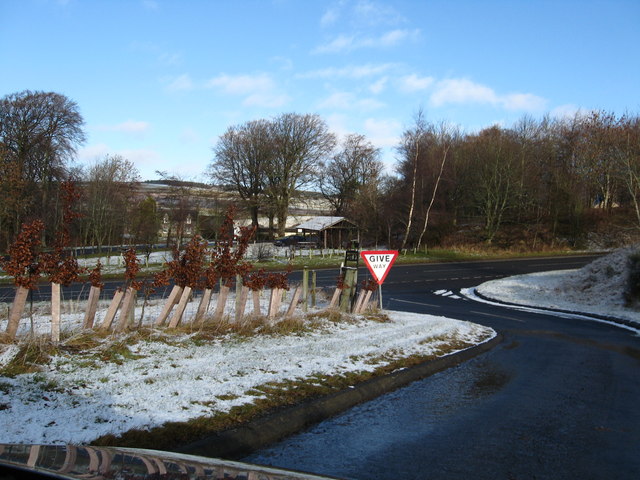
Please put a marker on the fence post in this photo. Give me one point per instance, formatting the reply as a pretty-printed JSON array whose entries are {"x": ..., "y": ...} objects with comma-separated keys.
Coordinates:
[
  {"x": 313, "y": 288},
  {"x": 305, "y": 287}
]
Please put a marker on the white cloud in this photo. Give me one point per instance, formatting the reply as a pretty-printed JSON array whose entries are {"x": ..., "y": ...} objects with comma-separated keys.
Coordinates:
[
  {"x": 383, "y": 133},
  {"x": 259, "y": 90},
  {"x": 283, "y": 62},
  {"x": 378, "y": 86},
  {"x": 565, "y": 111},
  {"x": 142, "y": 158},
  {"x": 523, "y": 101},
  {"x": 340, "y": 43},
  {"x": 462, "y": 90},
  {"x": 348, "y": 43},
  {"x": 414, "y": 83},
  {"x": 337, "y": 123},
  {"x": 373, "y": 14},
  {"x": 396, "y": 37},
  {"x": 91, "y": 153},
  {"x": 350, "y": 71},
  {"x": 331, "y": 16},
  {"x": 180, "y": 83},
  {"x": 242, "y": 84}
]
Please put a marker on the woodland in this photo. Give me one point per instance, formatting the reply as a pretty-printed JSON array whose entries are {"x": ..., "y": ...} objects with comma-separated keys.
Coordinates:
[{"x": 570, "y": 182}]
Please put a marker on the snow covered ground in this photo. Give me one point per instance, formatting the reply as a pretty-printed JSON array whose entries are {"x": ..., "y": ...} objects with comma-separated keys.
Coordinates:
[
  {"x": 597, "y": 288},
  {"x": 75, "y": 399}
]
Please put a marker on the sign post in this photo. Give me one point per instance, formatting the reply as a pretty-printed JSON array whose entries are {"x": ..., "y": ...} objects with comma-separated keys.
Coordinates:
[
  {"x": 349, "y": 272},
  {"x": 379, "y": 263}
]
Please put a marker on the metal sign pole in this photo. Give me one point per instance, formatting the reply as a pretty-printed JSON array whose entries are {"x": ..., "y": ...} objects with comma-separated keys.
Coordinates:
[{"x": 380, "y": 294}]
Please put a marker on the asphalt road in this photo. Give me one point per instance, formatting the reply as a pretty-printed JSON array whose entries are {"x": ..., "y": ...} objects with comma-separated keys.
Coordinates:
[{"x": 557, "y": 399}]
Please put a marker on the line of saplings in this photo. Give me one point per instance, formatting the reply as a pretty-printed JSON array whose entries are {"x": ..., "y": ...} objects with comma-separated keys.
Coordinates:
[{"x": 195, "y": 267}]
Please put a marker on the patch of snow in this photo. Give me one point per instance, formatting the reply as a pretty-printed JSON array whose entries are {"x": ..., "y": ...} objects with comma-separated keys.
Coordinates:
[
  {"x": 597, "y": 288},
  {"x": 76, "y": 401}
]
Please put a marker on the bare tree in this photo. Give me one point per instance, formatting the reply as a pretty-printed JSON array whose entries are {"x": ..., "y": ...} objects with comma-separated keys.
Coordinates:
[
  {"x": 301, "y": 144},
  {"x": 109, "y": 190},
  {"x": 410, "y": 150},
  {"x": 349, "y": 171},
  {"x": 629, "y": 154},
  {"x": 242, "y": 155},
  {"x": 443, "y": 139},
  {"x": 494, "y": 184},
  {"x": 598, "y": 159},
  {"x": 39, "y": 133}
]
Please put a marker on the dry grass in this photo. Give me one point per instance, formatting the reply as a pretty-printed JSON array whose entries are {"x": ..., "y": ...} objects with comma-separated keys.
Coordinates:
[{"x": 32, "y": 354}]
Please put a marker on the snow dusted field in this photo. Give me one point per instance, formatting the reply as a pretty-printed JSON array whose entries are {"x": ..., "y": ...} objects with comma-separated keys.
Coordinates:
[{"x": 72, "y": 403}]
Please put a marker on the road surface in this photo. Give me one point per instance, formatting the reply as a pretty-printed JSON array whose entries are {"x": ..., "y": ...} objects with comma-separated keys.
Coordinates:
[{"x": 557, "y": 399}]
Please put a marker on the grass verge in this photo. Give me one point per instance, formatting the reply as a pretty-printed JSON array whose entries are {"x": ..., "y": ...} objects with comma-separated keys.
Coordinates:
[{"x": 269, "y": 397}]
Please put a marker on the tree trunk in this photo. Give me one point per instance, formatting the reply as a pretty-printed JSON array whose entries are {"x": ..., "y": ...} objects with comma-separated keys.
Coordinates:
[
  {"x": 433, "y": 197},
  {"x": 413, "y": 198}
]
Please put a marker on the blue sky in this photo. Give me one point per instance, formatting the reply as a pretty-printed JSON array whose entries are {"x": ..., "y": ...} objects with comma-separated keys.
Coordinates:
[{"x": 158, "y": 81}]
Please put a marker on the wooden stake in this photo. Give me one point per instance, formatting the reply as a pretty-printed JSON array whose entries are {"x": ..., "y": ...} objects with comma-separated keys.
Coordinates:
[
  {"x": 256, "y": 303},
  {"x": 240, "y": 306},
  {"x": 313, "y": 288},
  {"x": 174, "y": 296},
  {"x": 294, "y": 303},
  {"x": 365, "y": 302},
  {"x": 177, "y": 315},
  {"x": 92, "y": 307},
  {"x": 126, "y": 310},
  {"x": 305, "y": 286},
  {"x": 356, "y": 307},
  {"x": 113, "y": 309},
  {"x": 335, "y": 298},
  {"x": 222, "y": 301},
  {"x": 274, "y": 304},
  {"x": 55, "y": 312},
  {"x": 204, "y": 306},
  {"x": 17, "y": 307}
]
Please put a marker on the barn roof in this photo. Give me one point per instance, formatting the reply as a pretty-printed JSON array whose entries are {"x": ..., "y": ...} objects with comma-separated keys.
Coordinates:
[{"x": 318, "y": 224}]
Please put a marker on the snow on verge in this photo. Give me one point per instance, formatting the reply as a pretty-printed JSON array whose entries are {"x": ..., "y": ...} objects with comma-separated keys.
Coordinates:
[
  {"x": 597, "y": 288},
  {"x": 76, "y": 402}
]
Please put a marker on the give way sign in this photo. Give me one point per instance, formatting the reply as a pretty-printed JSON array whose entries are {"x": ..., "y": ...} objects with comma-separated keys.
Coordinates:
[{"x": 379, "y": 262}]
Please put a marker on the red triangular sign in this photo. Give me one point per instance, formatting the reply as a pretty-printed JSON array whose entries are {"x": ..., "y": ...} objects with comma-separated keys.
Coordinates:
[{"x": 379, "y": 262}]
